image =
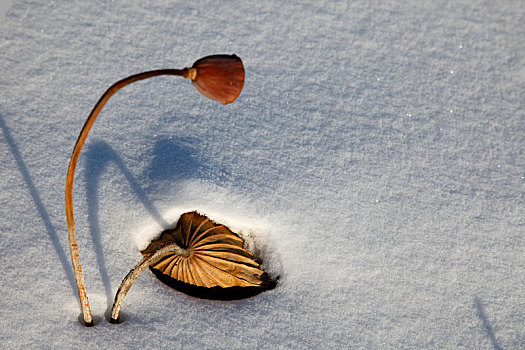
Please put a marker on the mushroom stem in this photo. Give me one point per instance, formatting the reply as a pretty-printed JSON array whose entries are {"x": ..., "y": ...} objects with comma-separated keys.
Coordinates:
[
  {"x": 130, "y": 278},
  {"x": 75, "y": 259}
]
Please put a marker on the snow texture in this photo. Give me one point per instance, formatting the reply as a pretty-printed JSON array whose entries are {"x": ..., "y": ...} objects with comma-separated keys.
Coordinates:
[{"x": 375, "y": 158}]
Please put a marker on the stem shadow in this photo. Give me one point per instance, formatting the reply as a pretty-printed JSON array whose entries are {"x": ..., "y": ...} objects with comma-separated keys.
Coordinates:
[
  {"x": 166, "y": 164},
  {"x": 44, "y": 215},
  {"x": 480, "y": 311}
]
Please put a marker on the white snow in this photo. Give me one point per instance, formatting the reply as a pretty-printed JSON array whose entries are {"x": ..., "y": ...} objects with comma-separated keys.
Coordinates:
[{"x": 376, "y": 158}]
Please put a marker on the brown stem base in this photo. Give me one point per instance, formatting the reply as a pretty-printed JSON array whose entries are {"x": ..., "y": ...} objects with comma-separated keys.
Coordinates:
[{"x": 130, "y": 278}]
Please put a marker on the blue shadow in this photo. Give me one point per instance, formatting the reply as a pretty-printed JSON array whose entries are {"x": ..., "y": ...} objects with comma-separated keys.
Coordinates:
[
  {"x": 172, "y": 160},
  {"x": 42, "y": 211},
  {"x": 175, "y": 159},
  {"x": 486, "y": 324}
]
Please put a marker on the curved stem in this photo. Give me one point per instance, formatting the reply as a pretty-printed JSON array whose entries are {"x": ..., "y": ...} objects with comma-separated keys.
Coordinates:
[
  {"x": 130, "y": 278},
  {"x": 73, "y": 247}
]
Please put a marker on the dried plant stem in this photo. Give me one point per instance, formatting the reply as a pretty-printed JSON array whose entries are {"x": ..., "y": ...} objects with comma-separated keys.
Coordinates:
[
  {"x": 130, "y": 278},
  {"x": 75, "y": 259}
]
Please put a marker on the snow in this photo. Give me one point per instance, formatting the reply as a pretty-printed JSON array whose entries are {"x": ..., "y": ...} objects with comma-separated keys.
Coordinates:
[{"x": 375, "y": 158}]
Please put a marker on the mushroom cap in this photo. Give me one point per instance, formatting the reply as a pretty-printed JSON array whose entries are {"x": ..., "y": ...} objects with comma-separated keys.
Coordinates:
[{"x": 216, "y": 266}]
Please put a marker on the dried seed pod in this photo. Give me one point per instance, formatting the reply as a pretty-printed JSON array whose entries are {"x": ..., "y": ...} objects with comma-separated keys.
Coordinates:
[{"x": 219, "y": 77}]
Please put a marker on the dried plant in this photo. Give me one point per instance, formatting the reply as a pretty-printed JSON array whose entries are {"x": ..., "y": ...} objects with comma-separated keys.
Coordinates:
[
  {"x": 205, "y": 258},
  {"x": 219, "y": 77}
]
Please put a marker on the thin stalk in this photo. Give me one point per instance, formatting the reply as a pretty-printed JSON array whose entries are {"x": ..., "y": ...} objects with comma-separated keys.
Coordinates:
[
  {"x": 130, "y": 278},
  {"x": 73, "y": 247}
]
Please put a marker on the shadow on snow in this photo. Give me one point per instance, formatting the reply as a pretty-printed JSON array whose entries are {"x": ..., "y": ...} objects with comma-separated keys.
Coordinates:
[{"x": 171, "y": 160}]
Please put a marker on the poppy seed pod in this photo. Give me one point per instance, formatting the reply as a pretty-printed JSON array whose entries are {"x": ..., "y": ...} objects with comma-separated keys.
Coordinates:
[{"x": 218, "y": 77}]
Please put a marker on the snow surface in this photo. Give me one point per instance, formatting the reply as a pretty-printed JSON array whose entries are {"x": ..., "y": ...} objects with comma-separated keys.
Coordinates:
[{"x": 375, "y": 157}]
